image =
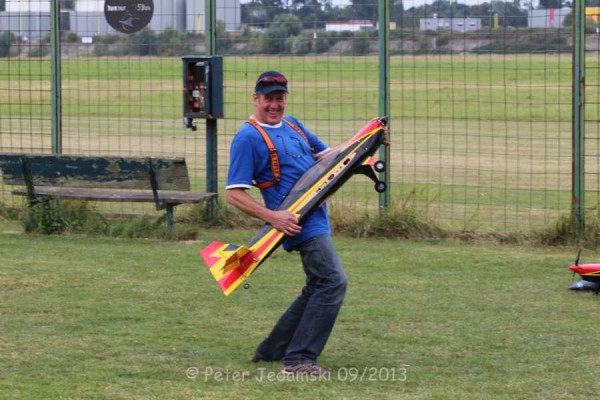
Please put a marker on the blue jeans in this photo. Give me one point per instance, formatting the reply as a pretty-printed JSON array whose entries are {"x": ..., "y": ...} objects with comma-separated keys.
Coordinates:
[{"x": 303, "y": 330}]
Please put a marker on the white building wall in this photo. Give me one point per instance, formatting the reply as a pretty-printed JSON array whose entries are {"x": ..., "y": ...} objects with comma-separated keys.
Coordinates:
[
  {"x": 89, "y": 6},
  {"x": 348, "y": 26},
  {"x": 28, "y": 6},
  {"x": 450, "y": 24},
  {"x": 548, "y": 18},
  {"x": 32, "y": 18}
]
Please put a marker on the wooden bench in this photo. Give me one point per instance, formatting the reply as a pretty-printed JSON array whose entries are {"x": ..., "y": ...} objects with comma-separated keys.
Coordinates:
[{"x": 163, "y": 181}]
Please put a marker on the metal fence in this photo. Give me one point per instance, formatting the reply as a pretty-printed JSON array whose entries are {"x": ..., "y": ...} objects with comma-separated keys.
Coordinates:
[{"x": 480, "y": 96}]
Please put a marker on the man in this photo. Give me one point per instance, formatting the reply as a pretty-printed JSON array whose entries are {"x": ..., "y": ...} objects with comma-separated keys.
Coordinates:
[{"x": 301, "y": 333}]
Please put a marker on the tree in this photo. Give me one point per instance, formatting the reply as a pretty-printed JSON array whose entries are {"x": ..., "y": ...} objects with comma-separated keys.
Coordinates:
[
  {"x": 311, "y": 13},
  {"x": 360, "y": 43},
  {"x": 6, "y": 39},
  {"x": 142, "y": 43},
  {"x": 272, "y": 8},
  {"x": 283, "y": 26},
  {"x": 298, "y": 45},
  {"x": 397, "y": 12},
  {"x": 259, "y": 13},
  {"x": 223, "y": 42},
  {"x": 511, "y": 15},
  {"x": 67, "y": 4},
  {"x": 365, "y": 9},
  {"x": 545, "y": 4}
]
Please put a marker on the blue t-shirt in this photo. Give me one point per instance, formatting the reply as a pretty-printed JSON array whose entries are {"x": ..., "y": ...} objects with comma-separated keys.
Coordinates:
[{"x": 250, "y": 163}]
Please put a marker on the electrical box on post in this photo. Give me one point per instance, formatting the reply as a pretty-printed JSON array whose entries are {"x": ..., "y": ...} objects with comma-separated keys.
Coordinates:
[{"x": 202, "y": 88}]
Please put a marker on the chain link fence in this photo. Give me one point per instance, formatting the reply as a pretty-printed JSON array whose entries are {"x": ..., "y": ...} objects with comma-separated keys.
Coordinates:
[{"x": 480, "y": 95}]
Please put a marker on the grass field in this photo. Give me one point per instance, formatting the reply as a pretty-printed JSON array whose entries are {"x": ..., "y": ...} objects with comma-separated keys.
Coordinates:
[
  {"x": 478, "y": 141},
  {"x": 99, "y": 318}
]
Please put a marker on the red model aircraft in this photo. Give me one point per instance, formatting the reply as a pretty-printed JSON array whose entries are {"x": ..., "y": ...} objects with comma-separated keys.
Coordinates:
[
  {"x": 230, "y": 264},
  {"x": 589, "y": 273}
]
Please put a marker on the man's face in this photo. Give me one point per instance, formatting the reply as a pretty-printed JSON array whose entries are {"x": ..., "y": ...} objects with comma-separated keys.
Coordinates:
[{"x": 269, "y": 108}]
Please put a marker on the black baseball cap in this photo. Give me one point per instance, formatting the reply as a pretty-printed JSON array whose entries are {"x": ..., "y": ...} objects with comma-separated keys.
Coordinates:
[{"x": 271, "y": 81}]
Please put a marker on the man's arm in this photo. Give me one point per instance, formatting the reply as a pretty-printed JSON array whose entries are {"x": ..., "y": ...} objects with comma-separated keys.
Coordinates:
[{"x": 283, "y": 220}]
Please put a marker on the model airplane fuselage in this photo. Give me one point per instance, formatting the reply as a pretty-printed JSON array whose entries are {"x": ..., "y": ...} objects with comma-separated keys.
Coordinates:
[
  {"x": 230, "y": 265},
  {"x": 588, "y": 272}
]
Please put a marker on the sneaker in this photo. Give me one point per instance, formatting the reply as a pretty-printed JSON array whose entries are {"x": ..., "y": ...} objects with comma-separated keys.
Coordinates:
[
  {"x": 258, "y": 356},
  {"x": 305, "y": 370}
]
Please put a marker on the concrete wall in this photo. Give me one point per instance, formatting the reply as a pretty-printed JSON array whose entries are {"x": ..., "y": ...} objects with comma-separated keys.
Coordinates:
[
  {"x": 548, "y": 18},
  {"x": 450, "y": 24},
  {"x": 26, "y": 25}
]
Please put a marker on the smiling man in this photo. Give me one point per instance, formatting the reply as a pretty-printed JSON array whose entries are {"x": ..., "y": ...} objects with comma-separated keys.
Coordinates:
[{"x": 271, "y": 151}]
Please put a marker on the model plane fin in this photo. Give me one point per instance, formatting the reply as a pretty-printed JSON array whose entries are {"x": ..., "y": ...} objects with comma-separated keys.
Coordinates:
[{"x": 230, "y": 264}]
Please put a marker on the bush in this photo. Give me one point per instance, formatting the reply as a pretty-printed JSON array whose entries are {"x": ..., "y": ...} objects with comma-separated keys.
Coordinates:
[
  {"x": 44, "y": 217},
  {"x": 298, "y": 45},
  {"x": 142, "y": 43},
  {"x": 361, "y": 43},
  {"x": 321, "y": 45},
  {"x": 173, "y": 43},
  {"x": 274, "y": 39},
  {"x": 258, "y": 44},
  {"x": 50, "y": 216},
  {"x": 283, "y": 27},
  {"x": 536, "y": 40},
  {"x": 6, "y": 40},
  {"x": 6, "y": 213},
  {"x": 69, "y": 37},
  {"x": 564, "y": 232}
]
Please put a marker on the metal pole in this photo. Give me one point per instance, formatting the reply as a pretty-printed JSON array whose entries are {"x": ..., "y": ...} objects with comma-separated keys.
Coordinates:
[
  {"x": 210, "y": 10},
  {"x": 211, "y": 123},
  {"x": 384, "y": 92},
  {"x": 56, "y": 100},
  {"x": 578, "y": 125}
]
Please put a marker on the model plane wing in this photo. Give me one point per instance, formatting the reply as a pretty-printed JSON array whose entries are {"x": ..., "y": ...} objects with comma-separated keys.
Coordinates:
[{"x": 230, "y": 265}]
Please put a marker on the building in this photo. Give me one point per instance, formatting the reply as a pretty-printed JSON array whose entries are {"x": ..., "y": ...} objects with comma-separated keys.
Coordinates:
[
  {"x": 30, "y": 20},
  {"x": 593, "y": 13},
  {"x": 450, "y": 24},
  {"x": 547, "y": 18},
  {"x": 351, "y": 26}
]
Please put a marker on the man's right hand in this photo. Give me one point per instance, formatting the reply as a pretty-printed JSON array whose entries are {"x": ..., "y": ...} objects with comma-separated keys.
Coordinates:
[
  {"x": 285, "y": 221},
  {"x": 282, "y": 220}
]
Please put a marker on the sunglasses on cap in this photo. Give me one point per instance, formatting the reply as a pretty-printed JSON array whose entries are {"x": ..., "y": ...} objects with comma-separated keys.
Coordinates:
[{"x": 272, "y": 79}]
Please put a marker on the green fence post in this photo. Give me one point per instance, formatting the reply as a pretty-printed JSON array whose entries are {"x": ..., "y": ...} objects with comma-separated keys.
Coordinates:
[
  {"x": 384, "y": 92},
  {"x": 578, "y": 126},
  {"x": 56, "y": 100},
  {"x": 211, "y": 123}
]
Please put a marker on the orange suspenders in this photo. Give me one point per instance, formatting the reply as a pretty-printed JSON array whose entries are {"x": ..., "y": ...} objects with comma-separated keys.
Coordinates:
[{"x": 275, "y": 169}]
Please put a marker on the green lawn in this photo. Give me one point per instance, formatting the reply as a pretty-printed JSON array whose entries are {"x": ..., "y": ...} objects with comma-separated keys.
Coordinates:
[{"x": 99, "y": 318}]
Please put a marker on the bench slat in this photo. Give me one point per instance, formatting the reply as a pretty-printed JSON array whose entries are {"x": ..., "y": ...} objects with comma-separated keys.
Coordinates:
[
  {"x": 97, "y": 172},
  {"x": 114, "y": 195}
]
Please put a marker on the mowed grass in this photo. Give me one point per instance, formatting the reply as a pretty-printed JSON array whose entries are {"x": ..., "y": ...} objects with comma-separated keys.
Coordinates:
[
  {"x": 98, "y": 318},
  {"x": 511, "y": 87}
]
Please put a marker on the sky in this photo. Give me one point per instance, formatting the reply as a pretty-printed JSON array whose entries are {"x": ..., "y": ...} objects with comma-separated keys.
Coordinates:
[
  {"x": 334, "y": 2},
  {"x": 409, "y": 3}
]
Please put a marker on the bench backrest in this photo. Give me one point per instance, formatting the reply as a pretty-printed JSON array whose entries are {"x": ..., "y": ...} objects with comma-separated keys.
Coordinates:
[{"x": 170, "y": 173}]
